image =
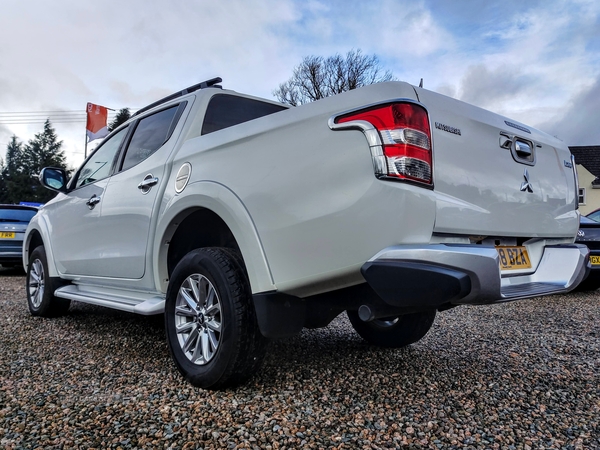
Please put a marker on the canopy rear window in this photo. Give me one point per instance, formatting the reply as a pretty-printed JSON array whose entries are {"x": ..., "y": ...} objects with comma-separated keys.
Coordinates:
[{"x": 225, "y": 111}]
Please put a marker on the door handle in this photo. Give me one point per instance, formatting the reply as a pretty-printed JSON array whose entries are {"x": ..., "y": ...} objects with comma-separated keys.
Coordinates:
[
  {"x": 149, "y": 181},
  {"x": 93, "y": 201}
]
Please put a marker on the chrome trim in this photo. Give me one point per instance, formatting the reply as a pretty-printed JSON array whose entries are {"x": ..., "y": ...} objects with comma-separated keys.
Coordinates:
[
  {"x": 574, "y": 168},
  {"x": 373, "y": 137},
  {"x": 520, "y": 147},
  {"x": 149, "y": 181},
  {"x": 526, "y": 185}
]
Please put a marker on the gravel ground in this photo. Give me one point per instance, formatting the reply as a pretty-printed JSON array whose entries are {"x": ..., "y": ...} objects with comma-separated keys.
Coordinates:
[{"x": 524, "y": 375}]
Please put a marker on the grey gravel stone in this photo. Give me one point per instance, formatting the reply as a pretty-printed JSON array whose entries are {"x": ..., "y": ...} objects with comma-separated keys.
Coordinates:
[{"x": 524, "y": 375}]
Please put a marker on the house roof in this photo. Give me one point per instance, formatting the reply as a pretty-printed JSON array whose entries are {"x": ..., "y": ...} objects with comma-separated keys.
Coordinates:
[{"x": 589, "y": 157}]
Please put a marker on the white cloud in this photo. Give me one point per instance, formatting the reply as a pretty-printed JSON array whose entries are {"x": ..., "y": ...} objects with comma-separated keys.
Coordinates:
[{"x": 526, "y": 60}]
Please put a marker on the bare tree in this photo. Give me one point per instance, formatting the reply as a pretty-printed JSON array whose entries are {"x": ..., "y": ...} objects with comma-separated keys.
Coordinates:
[{"x": 317, "y": 77}]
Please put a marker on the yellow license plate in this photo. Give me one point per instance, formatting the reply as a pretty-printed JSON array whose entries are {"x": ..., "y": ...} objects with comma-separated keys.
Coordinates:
[
  {"x": 513, "y": 258},
  {"x": 7, "y": 234},
  {"x": 595, "y": 260}
]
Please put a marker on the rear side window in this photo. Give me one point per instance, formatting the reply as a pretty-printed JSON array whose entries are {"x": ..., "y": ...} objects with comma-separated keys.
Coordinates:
[
  {"x": 149, "y": 135},
  {"x": 228, "y": 110}
]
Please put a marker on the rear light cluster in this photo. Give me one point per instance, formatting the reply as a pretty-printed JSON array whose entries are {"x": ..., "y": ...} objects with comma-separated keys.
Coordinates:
[{"x": 400, "y": 139}]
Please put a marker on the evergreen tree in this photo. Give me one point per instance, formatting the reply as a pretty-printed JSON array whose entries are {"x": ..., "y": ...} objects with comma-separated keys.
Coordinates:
[
  {"x": 15, "y": 176},
  {"x": 24, "y": 163},
  {"x": 44, "y": 150},
  {"x": 122, "y": 116}
]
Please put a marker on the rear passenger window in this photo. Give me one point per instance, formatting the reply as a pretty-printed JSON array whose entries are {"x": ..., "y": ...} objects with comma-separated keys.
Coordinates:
[
  {"x": 149, "y": 135},
  {"x": 228, "y": 110}
]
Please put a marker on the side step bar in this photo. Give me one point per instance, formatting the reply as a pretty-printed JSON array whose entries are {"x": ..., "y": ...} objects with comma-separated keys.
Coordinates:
[{"x": 134, "y": 302}]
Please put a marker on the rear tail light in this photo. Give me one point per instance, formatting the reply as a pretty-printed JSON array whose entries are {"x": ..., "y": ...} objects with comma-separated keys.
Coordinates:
[{"x": 400, "y": 139}]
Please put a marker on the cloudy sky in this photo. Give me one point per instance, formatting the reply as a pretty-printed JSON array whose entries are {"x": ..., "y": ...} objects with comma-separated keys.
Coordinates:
[{"x": 535, "y": 61}]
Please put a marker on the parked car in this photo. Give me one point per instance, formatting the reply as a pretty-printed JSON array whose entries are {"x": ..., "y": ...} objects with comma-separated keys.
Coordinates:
[
  {"x": 589, "y": 235},
  {"x": 13, "y": 223},
  {"x": 594, "y": 215}
]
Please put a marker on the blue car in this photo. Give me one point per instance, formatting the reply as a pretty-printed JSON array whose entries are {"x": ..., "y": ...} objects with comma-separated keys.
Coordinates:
[
  {"x": 13, "y": 223},
  {"x": 589, "y": 235}
]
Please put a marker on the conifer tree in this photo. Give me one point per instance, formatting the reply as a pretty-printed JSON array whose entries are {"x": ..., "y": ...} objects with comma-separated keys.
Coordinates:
[
  {"x": 15, "y": 176},
  {"x": 24, "y": 163},
  {"x": 44, "y": 150},
  {"x": 122, "y": 116}
]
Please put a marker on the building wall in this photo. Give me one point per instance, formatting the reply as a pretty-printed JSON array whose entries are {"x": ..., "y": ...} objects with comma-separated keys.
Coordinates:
[{"x": 592, "y": 196}]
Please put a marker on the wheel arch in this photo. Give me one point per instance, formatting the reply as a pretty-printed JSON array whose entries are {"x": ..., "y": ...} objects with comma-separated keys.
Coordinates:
[
  {"x": 34, "y": 237},
  {"x": 209, "y": 215}
]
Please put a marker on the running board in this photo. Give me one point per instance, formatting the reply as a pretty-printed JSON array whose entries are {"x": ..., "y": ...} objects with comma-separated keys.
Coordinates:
[
  {"x": 134, "y": 302},
  {"x": 528, "y": 290}
]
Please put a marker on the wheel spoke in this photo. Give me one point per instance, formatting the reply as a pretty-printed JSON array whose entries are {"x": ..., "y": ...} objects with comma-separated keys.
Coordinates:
[
  {"x": 188, "y": 299},
  {"x": 37, "y": 300},
  {"x": 184, "y": 311},
  {"x": 205, "y": 287},
  {"x": 191, "y": 340},
  {"x": 197, "y": 353},
  {"x": 205, "y": 346},
  {"x": 186, "y": 327},
  {"x": 35, "y": 279},
  {"x": 196, "y": 292},
  {"x": 213, "y": 325},
  {"x": 214, "y": 342},
  {"x": 210, "y": 298},
  {"x": 213, "y": 310}
]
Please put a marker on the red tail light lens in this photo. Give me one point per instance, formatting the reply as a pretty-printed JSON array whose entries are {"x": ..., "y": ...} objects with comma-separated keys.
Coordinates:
[{"x": 405, "y": 137}]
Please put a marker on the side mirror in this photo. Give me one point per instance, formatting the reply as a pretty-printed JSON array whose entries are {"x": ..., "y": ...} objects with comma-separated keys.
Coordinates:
[{"x": 54, "y": 179}]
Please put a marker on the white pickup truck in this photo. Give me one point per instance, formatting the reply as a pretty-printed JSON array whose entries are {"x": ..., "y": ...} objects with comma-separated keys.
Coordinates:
[{"x": 243, "y": 219}]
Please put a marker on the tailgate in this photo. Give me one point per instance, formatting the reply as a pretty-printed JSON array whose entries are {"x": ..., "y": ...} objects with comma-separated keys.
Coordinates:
[{"x": 494, "y": 176}]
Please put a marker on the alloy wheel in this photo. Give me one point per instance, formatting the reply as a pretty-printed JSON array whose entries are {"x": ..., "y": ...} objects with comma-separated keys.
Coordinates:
[
  {"x": 198, "y": 319},
  {"x": 36, "y": 283}
]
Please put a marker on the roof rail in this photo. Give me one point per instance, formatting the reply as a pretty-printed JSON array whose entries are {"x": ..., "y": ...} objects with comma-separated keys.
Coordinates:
[{"x": 205, "y": 84}]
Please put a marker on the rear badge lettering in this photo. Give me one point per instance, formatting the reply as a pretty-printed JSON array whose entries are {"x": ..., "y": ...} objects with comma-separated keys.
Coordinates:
[{"x": 447, "y": 128}]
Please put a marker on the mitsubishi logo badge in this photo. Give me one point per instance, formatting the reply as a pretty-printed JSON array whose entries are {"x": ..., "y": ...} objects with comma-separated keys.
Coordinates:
[{"x": 526, "y": 185}]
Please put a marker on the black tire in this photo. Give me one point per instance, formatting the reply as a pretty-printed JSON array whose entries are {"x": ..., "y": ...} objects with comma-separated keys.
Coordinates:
[
  {"x": 393, "y": 332},
  {"x": 219, "y": 344},
  {"x": 40, "y": 287}
]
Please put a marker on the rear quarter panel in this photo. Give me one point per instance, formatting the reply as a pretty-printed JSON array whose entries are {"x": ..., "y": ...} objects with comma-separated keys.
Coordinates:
[{"x": 318, "y": 209}]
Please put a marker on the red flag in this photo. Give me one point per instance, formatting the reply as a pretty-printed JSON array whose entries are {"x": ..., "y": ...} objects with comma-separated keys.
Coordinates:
[{"x": 97, "y": 117}]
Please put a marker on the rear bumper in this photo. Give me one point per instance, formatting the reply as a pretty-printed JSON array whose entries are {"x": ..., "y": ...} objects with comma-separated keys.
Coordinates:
[
  {"x": 442, "y": 274},
  {"x": 11, "y": 257},
  {"x": 412, "y": 278}
]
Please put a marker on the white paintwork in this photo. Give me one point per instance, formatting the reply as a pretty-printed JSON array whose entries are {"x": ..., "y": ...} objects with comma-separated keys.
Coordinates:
[
  {"x": 302, "y": 200},
  {"x": 73, "y": 228},
  {"x": 473, "y": 170}
]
